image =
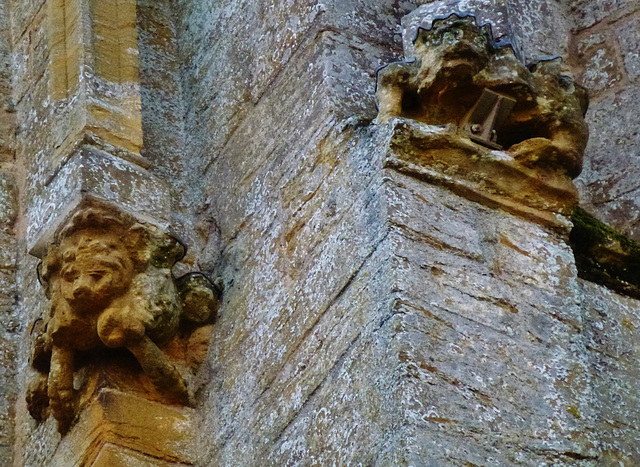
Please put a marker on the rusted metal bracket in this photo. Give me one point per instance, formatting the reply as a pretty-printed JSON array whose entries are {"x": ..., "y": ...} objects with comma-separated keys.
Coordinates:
[{"x": 484, "y": 120}]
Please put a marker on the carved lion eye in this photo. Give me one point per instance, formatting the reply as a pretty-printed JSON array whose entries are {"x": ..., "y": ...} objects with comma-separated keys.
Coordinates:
[{"x": 69, "y": 275}]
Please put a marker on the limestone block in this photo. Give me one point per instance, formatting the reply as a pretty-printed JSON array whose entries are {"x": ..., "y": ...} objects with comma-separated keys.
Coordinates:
[
  {"x": 600, "y": 60},
  {"x": 23, "y": 13},
  {"x": 115, "y": 40},
  {"x": 610, "y": 182},
  {"x": 66, "y": 54},
  {"x": 590, "y": 12},
  {"x": 119, "y": 427},
  {"x": 93, "y": 62},
  {"x": 31, "y": 54},
  {"x": 95, "y": 174},
  {"x": 114, "y": 115}
]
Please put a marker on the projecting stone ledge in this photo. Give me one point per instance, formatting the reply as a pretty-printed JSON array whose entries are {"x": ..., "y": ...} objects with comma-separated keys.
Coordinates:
[
  {"x": 93, "y": 174},
  {"x": 469, "y": 115},
  {"x": 119, "y": 429},
  {"x": 440, "y": 155}
]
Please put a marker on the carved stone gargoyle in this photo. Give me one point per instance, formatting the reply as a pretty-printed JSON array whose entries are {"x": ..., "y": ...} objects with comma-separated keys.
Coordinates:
[
  {"x": 458, "y": 69},
  {"x": 109, "y": 282}
]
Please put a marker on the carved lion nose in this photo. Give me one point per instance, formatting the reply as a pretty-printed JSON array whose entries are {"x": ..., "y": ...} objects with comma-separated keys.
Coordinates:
[{"x": 82, "y": 287}]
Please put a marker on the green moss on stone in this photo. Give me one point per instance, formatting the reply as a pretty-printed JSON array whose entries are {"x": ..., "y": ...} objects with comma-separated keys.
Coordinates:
[
  {"x": 604, "y": 255},
  {"x": 574, "y": 411}
]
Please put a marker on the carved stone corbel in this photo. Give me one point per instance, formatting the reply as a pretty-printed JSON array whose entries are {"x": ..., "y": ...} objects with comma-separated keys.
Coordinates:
[
  {"x": 472, "y": 115},
  {"x": 109, "y": 283}
]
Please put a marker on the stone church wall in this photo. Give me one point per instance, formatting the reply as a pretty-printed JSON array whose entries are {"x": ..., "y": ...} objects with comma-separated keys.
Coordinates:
[{"x": 368, "y": 316}]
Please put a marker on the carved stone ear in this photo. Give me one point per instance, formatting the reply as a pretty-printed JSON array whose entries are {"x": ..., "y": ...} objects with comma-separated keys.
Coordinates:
[
  {"x": 199, "y": 297},
  {"x": 46, "y": 268},
  {"x": 166, "y": 251},
  {"x": 137, "y": 241}
]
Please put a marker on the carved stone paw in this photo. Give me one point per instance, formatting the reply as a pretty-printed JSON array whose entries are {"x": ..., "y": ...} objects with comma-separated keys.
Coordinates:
[
  {"x": 543, "y": 152},
  {"x": 63, "y": 407},
  {"x": 37, "y": 397}
]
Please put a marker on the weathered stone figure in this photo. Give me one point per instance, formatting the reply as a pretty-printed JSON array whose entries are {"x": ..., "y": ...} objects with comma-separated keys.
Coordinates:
[
  {"x": 110, "y": 284},
  {"x": 457, "y": 61}
]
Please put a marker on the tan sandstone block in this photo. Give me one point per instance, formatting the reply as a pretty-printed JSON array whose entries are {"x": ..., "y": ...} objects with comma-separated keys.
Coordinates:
[
  {"x": 117, "y": 428},
  {"x": 65, "y": 44},
  {"x": 116, "y": 40},
  {"x": 117, "y": 456}
]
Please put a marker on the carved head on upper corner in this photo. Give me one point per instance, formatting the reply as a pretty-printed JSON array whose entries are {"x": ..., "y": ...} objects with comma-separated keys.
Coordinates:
[
  {"x": 96, "y": 254},
  {"x": 457, "y": 61}
]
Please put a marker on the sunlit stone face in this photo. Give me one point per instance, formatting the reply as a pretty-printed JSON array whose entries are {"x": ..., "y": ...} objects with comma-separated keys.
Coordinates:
[{"x": 95, "y": 269}]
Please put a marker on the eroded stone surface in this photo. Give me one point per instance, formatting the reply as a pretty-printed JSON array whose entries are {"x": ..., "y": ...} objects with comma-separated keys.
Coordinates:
[
  {"x": 94, "y": 173},
  {"x": 609, "y": 184},
  {"x": 120, "y": 429},
  {"x": 456, "y": 62},
  {"x": 109, "y": 282},
  {"x": 314, "y": 359}
]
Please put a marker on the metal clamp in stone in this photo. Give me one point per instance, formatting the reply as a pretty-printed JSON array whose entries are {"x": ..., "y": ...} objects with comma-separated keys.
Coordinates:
[{"x": 469, "y": 93}]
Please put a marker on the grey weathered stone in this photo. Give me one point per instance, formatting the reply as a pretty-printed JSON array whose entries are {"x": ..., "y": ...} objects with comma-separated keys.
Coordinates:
[
  {"x": 93, "y": 173},
  {"x": 590, "y": 12},
  {"x": 599, "y": 57},
  {"x": 629, "y": 38},
  {"x": 609, "y": 183},
  {"x": 369, "y": 316}
]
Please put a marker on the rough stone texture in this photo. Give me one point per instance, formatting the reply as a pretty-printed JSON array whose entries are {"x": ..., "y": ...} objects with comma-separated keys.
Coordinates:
[
  {"x": 9, "y": 321},
  {"x": 588, "y": 13},
  {"x": 601, "y": 68},
  {"x": 629, "y": 39},
  {"x": 10, "y": 326},
  {"x": 370, "y": 317},
  {"x": 93, "y": 173},
  {"x": 610, "y": 182},
  {"x": 117, "y": 427},
  {"x": 605, "y": 60}
]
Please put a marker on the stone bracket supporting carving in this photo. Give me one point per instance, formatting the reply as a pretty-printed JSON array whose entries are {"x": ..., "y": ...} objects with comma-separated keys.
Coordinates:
[
  {"x": 465, "y": 93},
  {"x": 95, "y": 174},
  {"x": 442, "y": 157},
  {"x": 122, "y": 430},
  {"x": 486, "y": 117}
]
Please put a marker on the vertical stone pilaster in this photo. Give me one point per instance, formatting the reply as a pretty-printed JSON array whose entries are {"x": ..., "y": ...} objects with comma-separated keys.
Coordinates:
[
  {"x": 112, "y": 407},
  {"x": 94, "y": 64}
]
